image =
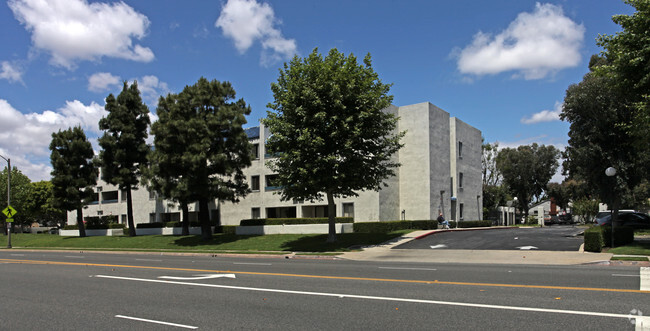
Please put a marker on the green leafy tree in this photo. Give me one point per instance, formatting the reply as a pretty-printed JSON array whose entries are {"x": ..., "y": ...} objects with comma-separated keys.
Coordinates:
[
  {"x": 494, "y": 193},
  {"x": 124, "y": 149},
  {"x": 585, "y": 208},
  {"x": 527, "y": 170},
  {"x": 20, "y": 191},
  {"x": 74, "y": 173},
  {"x": 200, "y": 147},
  {"x": 40, "y": 204},
  {"x": 329, "y": 131},
  {"x": 599, "y": 136}
]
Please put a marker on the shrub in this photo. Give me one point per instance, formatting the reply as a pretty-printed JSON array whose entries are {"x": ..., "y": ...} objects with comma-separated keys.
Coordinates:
[
  {"x": 116, "y": 226},
  {"x": 193, "y": 224},
  {"x": 470, "y": 224},
  {"x": 225, "y": 229},
  {"x": 71, "y": 227},
  {"x": 385, "y": 227},
  {"x": 149, "y": 225},
  {"x": 100, "y": 222},
  {"x": 594, "y": 239},
  {"x": 290, "y": 221}
]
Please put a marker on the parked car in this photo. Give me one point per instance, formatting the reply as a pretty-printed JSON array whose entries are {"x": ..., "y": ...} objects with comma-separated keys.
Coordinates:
[{"x": 629, "y": 219}]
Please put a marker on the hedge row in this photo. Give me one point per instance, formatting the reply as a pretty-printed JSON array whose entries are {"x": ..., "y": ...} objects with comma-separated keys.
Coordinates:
[
  {"x": 225, "y": 229},
  {"x": 385, "y": 227},
  {"x": 471, "y": 224},
  {"x": 96, "y": 226},
  {"x": 598, "y": 237},
  {"x": 289, "y": 221}
]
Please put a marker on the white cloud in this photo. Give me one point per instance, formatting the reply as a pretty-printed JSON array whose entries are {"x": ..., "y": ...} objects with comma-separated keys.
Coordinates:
[
  {"x": 102, "y": 81},
  {"x": 72, "y": 30},
  {"x": 246, "y": 21},
  {"x": 25, "y": 138},
  {"x": 151, "y": 88},
  {"x": 534, "y": 45},
  {"x": 10, "y": 72},
  {"x": 545, "y": 115}
]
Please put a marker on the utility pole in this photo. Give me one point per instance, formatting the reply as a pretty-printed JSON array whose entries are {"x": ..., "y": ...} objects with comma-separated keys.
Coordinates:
[{"x": 8, "y": 199}]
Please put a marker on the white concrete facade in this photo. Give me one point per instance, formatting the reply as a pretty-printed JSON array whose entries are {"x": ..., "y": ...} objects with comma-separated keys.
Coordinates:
[{"x": 438, "y": 150}]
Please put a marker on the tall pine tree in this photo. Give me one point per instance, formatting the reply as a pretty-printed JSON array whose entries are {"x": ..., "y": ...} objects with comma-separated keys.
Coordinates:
[
  {"x": 73, "y": 172},
  {"x": 124, "y": 149},
  {"x": 200, "y": 147}
]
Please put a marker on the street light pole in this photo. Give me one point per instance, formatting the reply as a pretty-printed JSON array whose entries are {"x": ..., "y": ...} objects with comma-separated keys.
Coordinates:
[
  {"x": 611, "y": 172},
  {"x": 515, "y": 216},
  {"x": 8, "y": 198}
]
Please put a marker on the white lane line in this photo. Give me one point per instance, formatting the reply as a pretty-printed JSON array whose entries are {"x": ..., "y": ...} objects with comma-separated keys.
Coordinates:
[
  {"x": 624, "y": 275},
  {"x": 157, "y": 322},
  {"x": 644, "y": 273},
  {"x": 407, "y": 268},
  {"x": 526, "y": 248},
  {"x": 17, "y": 254},
  {"x": 367, "y": 297},
  {"x": 75, "y": 257},
  {"x": 148, "y": 260},
  {"x": 252, "y": 263},
  {"x": 200, "y": 277},
  {"x": 438, "y": 246}
]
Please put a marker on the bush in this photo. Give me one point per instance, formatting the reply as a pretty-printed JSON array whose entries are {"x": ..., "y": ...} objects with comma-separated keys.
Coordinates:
[
  {"x": 71, "y": 227},
  {"x": 193, "y": 224},
  {"x": 532, "y": 220},
  {"x": 116, "y": 226},
  {"x": 470, "y": 224},
  {"x": 153, "y": 225},
  {"x": 225, "y": 229},
  {"x": 290, "y": 221},
  {"x": 598, "y": 237},
  {"x": 594, "y": 239},
  {"x": 385, "y": 227},
  {"x": 100, "y": 222}
]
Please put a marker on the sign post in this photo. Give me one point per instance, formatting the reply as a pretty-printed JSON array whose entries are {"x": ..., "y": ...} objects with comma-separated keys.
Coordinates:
[{"x": 10, "y": 212}]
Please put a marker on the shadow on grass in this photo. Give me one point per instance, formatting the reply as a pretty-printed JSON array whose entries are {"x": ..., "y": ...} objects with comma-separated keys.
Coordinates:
[
  {"x": 318, "y": 243},
  {"x": 220, "y": 239}
]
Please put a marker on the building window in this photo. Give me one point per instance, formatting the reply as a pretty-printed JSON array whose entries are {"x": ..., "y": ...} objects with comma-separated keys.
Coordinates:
[
  {"x": 124, "y": 195},
  {"x": 348, "y": 209},
  {"x": 460, "y": 210},
  {"x": 123, "y": 218},
  {"x": 99, "y": 188},
  {"x": 460, "y": 180},
  {"x": 255, "y": 183},
  {"x": 255, "y": 151},
  {"x": 152, "y": 195},
  {"x": 109, "y": 197},
  {"x": 255, "y": 213},
  {"x": 460, "y": 149},
  {"x": 271, "y": 183},
  {"x": 100, "y": 212}
]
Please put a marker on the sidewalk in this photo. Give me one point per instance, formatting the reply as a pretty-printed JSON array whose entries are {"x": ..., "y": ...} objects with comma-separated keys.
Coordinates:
[{"x": 384, "y": 252}]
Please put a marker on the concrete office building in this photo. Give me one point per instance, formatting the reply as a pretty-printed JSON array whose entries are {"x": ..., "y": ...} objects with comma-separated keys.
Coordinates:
[{"x": 440, "y": 170}]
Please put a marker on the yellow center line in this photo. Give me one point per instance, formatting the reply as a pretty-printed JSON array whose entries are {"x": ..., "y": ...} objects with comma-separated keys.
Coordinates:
[{"x": 330, "y": 277}]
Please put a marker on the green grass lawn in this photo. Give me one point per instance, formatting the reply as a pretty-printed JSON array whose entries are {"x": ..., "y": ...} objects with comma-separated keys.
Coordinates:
[
  {"x": 281, "y": 243},
  {"x": 638, "y": 247}
]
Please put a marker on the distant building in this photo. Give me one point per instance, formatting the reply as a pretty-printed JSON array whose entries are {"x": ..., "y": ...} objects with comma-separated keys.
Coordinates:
[{"x": 441, "y": 170}]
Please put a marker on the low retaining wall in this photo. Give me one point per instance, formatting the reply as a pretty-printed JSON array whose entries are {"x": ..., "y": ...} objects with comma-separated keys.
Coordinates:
[
  {"x": 292, "y": 229},
  {"x": 102, "y": 232},
  {"x": 139, "y": 232}
]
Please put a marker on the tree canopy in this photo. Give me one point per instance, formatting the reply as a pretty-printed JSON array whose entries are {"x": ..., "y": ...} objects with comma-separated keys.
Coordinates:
[
  {"x": 329, "y": 131},
  {"x": 200, "y": 147},
  {"x": 527, "y": 170},
  {"x": 73, "y": 171},
  {"x": 124, "y": 148},
  {"x": 21, "y": 189},
  {"x": 40, "y": 205},
  {"x": 609, "y": 114}
]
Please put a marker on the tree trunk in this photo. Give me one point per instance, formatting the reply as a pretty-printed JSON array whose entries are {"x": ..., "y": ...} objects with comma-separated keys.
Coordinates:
[
  {"x": 204, "y": 218},
  {"x": 80, "y": 222},
  {"x": 186, "y": 219},
  {"x": 129, "y": 212},
  {"x": 331, "y": 214}
]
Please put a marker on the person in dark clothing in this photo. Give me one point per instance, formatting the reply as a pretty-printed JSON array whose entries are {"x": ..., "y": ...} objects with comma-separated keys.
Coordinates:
[{"x": 442, "y": 221}]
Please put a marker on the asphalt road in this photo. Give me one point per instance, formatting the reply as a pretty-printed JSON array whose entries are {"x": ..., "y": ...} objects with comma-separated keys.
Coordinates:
[
  {"x": 81, "y": 291},
  {"x": 555, "y": 238}
]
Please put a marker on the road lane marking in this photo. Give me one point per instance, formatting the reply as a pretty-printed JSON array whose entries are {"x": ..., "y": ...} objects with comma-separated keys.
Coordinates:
[
  {"x": 152, "y": 260},
  {"x": 644, "y": 273},
  {"x": 368, "y": 297},
  {"x": 200, "y": 277},
  {"x": 251, "y": 263},
  {"x": 624, "y": 275},
  {"x": 438, "y": 246},
  {"x": 437, "y": 282},
  {"x": 526, "y": 248},
  {"x": 157, "y": 322},
  {"x": 75, "y": 257},
  {"x": 17, "y": 254},
  {"x": 407, "y": 268}
]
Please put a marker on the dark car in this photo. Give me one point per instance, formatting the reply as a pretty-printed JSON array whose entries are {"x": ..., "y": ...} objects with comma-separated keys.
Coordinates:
[{"x": 632, "y": 220}]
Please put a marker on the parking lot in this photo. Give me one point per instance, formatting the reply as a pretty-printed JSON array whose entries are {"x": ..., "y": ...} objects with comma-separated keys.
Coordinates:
[{"x": 554, "y": 238}]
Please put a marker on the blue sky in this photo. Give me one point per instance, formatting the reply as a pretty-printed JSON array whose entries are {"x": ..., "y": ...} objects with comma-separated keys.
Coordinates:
[{"x": 502, "y": 66}]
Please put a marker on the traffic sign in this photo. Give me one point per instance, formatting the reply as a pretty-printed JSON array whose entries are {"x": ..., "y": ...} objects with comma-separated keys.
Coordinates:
[
  {"x": 9, "y": 220},
  {"x": 10, "y": 212}
]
